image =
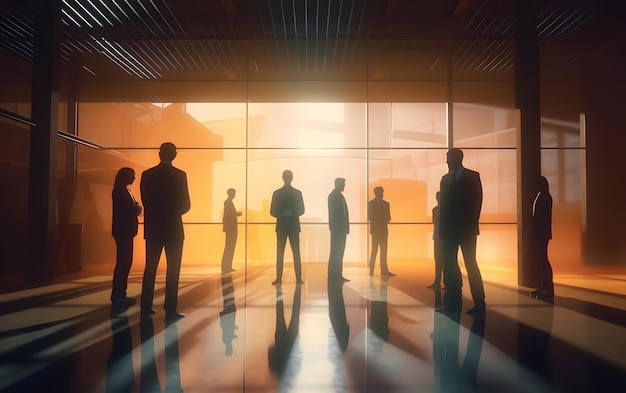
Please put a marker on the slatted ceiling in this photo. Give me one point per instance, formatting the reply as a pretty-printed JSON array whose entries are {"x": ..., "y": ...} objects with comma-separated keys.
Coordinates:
[{"x": 231, "y": 39}]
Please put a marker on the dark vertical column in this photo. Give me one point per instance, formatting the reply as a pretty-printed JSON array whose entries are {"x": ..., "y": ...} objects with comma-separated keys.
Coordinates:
[
  {"x": 43, "y": 144},
  {"x": 527, "y": 94}
]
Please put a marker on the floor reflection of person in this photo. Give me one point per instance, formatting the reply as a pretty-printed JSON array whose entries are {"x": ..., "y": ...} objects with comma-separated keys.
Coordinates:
[
  {"x": 172, "y": 360},
  {"x": 287, "y": 206},
  {"x": 228, "y": 314},
  {"x": 337, "y": 314},
  {"x": 379, "y": 318},
  {"x": 285, "y": 338},
  {"x": 148, "y": 377},
  {"x": 229, "y": 226},
  {"x": 120, "y": 370},
  {"x": 450, "y": 375},
  {"x": 339, "y": 224}
]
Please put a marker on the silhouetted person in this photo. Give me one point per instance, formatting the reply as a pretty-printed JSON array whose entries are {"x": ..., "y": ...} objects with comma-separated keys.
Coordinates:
[
  {"x": 228, "y": 314},
  {"x": 229, "y": 223},
  {"x": 124, "y": 229},
  {"x": 437, "y": 247},
  {"x": 541, "y": 231},
  {"x": 287, "y": 206},
  {"x": 120, "y": 371},
  {"x": 165, "y": 197},
  {"x": 285, "y": 336},
  {"x": 459, "y": 210},
  {"x": 339, "y": 223},
  {"x": 379, "y": 215},
  {"x": 337, "y": 314}
]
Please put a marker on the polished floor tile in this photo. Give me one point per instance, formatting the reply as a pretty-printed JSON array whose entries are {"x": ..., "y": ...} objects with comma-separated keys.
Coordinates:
[{"x": 371, "y": 334}]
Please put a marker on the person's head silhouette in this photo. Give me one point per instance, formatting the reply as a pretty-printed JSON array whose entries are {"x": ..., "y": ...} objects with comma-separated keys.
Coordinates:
[{"x": 167, "y": 152}]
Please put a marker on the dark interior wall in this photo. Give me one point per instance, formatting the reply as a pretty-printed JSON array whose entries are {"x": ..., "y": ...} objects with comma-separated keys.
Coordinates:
[{"x": 605, "y": 84}]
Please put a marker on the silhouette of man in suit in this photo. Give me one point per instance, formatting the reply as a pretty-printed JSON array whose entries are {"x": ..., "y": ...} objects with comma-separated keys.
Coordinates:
[
  {"x": 379, "y": 215},
  {"x": 229, "y": 223},
  {"x": 339, "y": 223},
  {"x": 165, "y": 198},
  {"x": 287, "y": 206},
  {"x": 461, "y": 197}
]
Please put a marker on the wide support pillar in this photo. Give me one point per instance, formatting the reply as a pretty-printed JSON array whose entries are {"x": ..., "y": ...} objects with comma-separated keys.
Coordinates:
[
  {"x": 527, "y": 96},
  {"x": 42, "y": 198}
]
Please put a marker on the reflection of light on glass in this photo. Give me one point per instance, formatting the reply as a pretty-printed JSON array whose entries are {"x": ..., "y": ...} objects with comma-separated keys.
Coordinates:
[
  {"x": 309, "y": 140},
  {"x": 321, "y": 111}
]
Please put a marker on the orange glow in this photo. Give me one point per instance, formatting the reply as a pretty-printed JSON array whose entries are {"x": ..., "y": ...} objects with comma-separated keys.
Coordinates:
[{"x": 247, "y": 146}]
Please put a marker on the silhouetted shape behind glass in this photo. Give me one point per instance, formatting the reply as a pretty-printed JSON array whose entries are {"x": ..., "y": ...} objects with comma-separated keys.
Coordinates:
[
  {"x": 379, "y": 215},
  {"x": 229, "y": 224},
  {"x": 165, "y": 196},
  {"x": 339, "y": 224},
  {"x": 287, "y": 206}
]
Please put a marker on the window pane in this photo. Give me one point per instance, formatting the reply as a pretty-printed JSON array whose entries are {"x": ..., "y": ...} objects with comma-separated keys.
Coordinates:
[
  {"x": 306, "y": 125},
  {"x": 314, "y": 173},
  {"x": 560, "y": 133},
  {"x": 407, "y": 124},
  {"x": 410, "y": 179},
  {"x": 483, "y": 125},
  {"x": 498, "y": 174},
  {"x": 228, "y": 120}
]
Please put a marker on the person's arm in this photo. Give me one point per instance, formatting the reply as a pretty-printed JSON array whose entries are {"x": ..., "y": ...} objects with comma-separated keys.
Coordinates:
[{"x": 185, "y": 201}]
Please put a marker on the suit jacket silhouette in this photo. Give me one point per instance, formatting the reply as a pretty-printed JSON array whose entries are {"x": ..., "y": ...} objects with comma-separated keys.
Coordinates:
[
  {"x": 379, "y": 215},
  {"x": 460, "y": 204},
  {"x": 165, "y": 198},
  {"x": 287, "y": 206},
  {"x": 229, "y": 220},
  {"x": 338, "y": 218},
  {"x": 124, "y": 223}
]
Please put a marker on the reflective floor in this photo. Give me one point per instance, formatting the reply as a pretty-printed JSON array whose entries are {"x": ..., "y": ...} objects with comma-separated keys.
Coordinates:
[{"x": 241, "y": 334}]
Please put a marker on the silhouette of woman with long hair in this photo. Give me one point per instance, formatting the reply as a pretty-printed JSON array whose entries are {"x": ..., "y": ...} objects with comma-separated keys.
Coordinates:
[{"x": 124, "y": 229}]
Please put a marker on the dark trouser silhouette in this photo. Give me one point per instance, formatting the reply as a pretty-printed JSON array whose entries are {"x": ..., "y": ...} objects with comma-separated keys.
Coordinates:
[
  {"x": 123, "y": 261},
  {"x": 294, "y": 242},
  {"x": 452, "y": 273},
  {"x": 173, "y": 254},
  {"x": 337, "y": 248},
  {"x": 438, "y": 256},
  {"x": 541, "y": 253},
  {"x": 229, "y": 251},
  {"x": 379, "y": 240}
]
